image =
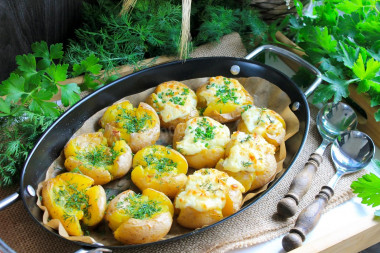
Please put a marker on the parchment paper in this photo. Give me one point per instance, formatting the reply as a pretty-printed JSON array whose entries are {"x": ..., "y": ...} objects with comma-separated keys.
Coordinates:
[{"x": 265, "y": 94}]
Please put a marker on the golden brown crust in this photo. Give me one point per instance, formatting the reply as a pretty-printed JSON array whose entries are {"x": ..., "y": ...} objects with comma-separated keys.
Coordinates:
[{"x": 250, "y": 180}]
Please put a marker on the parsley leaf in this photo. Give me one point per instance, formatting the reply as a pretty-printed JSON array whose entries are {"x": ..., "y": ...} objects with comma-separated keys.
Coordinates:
[
  {"x": 349, "y": 6},
  {"x": 349, "y": 54},
  {"x": 366, "y": 72},
  {"x": 5, "y": 108},
  {"x": 69, "y": 93},
  {"x": 368, "y": 189},
  {"x": 57, "y": 72},
  {"x": 44, "y": 108},
  {"x": 13, "y": 87},
  {"x": 337, "y": 88},
  {"x": 90, "y": 64}
]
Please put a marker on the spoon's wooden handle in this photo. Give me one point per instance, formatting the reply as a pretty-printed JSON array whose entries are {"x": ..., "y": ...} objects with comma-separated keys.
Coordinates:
[
  {"x": 307, "y": 220},
  {"x": 288, "y": 206}
]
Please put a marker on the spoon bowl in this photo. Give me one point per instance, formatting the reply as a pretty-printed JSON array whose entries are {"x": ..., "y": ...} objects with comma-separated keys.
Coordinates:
[
  {"x": 352, "y": 152},
  {"x": 335, "y": 119}
]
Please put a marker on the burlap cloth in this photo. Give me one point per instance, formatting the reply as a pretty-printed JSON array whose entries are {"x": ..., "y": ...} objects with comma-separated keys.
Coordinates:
[{"x": 259, "y": 223}]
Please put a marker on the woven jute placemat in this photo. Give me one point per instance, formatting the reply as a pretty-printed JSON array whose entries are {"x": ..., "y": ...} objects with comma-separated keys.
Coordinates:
[{"x": 258, "y": 223}]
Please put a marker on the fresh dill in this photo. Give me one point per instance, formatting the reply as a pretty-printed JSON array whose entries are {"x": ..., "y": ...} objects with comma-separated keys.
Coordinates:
[
  {"x": 139, "y": 208},
  {"x": 131, "y": 122}
]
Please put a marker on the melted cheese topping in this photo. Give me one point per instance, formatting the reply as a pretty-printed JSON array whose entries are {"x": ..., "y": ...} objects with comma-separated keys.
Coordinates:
[
  {"x": 174, "y": 100},
  {"x": 264, "y": 121},
  {"x": 224, "y": 90},
  {"x": 203, "y": 133},
  {"x": 249, "y": 152},
  {"x": 206, "y": 190}
]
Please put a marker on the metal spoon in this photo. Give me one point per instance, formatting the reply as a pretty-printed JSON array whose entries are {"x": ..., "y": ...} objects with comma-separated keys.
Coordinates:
[
  {"x": 350, "y": 152},
  {"x": 332, "y": 120}
]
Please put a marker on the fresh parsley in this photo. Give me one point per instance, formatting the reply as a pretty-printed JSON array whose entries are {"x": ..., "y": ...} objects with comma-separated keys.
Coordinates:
[
  {"x": 343, "y": 39},
  {"x": 368, "y": 189},
  {"x": 26, "y": 107}
]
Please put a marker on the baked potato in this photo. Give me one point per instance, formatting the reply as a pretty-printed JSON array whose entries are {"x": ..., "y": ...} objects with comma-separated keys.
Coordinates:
[
  {"x": 140, "y": 218},
  {"x": 202, "y": 141},
  {"x": 91, "y": 155},
  {"x": 139, "y": 127},
  {"x": 223, "y": 99},
  {"x": 209, "y": 196},
  {"x": 71, "y": 198},
  {"x": 160, "y": 168},
  {"x": 264, "y": 122},
  {"x": 174, "y": 102},
  {"x": 249, "y": 159}
]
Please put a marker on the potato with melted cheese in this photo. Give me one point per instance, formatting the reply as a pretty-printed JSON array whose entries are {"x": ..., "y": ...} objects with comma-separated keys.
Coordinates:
[
  {"x": 264, "y": 122},
  {"x": 223, "y": 99},
  {"x": 91, "y": 155},
  {"x": 174, "y": 102},
  {"x": 139, "y": 127},
  {"x": 202, "y": 141},
  {"x": 249, "y": 159},
  {"x": 71, "y": 198},
  {"x": 209, "y": 196},
  {"x": 160, "y": 168},
  {"x": 140, "y": 218}
]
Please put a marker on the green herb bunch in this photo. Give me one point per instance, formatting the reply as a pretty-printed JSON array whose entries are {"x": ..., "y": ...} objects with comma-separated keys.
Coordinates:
[
  {"x": 212, "y": 19},
  {"x": 26, "y": 109},
  {"x": 343, "y": 38},
  {"x": 153, "y": 28}
]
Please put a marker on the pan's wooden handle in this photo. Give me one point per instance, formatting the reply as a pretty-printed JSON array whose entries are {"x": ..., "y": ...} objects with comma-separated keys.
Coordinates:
[
  {"x": 288, "y": 206},
  {"x": 307, "y": 220}
]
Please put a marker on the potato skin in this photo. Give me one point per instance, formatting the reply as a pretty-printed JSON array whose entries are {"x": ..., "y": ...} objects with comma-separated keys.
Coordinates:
[
  {"x": 95, "y": 206},
  {"x": 136, "y": 231},
  {"x": 162, "y": 87},
  {"x": 231, "y": 111},
  {"x": 207, "y": 158},
  {"x": 114, "y": 131},
  {"x": 191, "y": 218},
  {"x": 146, "y": 175},
  {"x": 129, "y": 230},
  {"x": 102, "y": 174}
]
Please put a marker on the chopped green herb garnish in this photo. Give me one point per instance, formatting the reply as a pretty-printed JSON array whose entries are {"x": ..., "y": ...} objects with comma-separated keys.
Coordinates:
[
  {"x": 204, "y": 131},
  {"x": 185, "y": 91},
  {"x": 141, "y": 209},
  {"x": 246, "y": 164},
  {"x": 163, "y": 164},
  {"x": 249, "y": 137},
  {"x": 132, "y": 123},
  {"x": 98, "y": 156}
]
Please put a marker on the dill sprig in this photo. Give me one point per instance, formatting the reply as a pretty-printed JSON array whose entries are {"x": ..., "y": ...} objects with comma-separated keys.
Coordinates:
[
  {"x": 18, "y": 136},
  {"x": 153, "y": 28},
  {"x": 138, "y": 207}
]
